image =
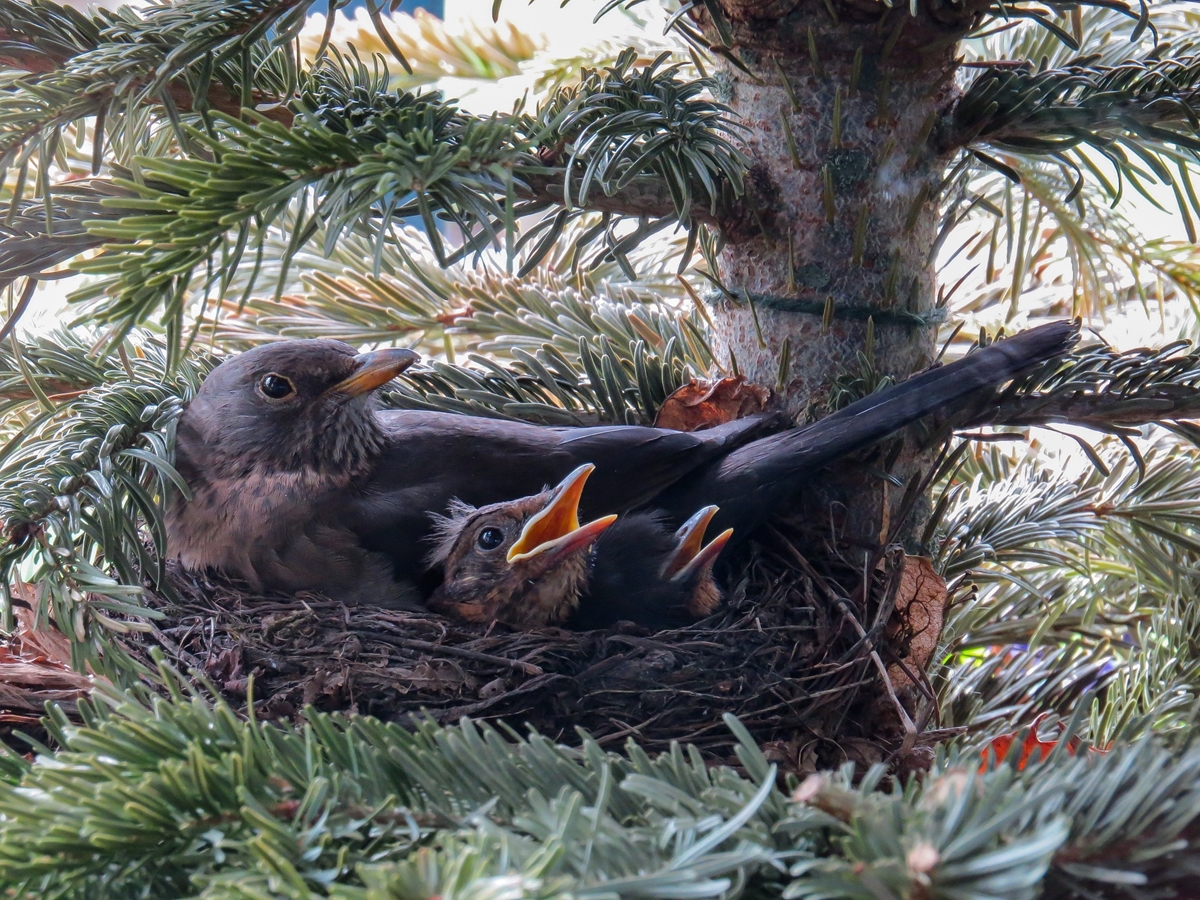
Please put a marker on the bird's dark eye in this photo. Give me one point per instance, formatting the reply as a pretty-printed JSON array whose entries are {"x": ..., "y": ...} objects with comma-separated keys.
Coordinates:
[
  {"x": 276, "y": 386},
  {"x": 490, "y": 538}
]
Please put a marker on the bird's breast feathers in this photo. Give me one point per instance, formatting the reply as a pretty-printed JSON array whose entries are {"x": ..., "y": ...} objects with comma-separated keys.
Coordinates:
[{"x": 229, "y": 521}]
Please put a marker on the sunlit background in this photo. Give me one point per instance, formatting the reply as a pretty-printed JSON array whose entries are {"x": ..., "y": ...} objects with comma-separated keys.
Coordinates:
[
  {"x": 493, "y": 66},
  {"x": 544, "y": 42}
]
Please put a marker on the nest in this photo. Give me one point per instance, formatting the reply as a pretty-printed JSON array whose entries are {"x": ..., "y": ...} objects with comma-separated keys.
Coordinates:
[{"x": 819, "y": 670}]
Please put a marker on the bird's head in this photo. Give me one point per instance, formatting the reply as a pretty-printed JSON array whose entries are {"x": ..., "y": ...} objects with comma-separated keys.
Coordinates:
[
  {"x": 524, "y": 562},
  {"x": 690, "y": 564},
  {"x": 290, "y": 406}
]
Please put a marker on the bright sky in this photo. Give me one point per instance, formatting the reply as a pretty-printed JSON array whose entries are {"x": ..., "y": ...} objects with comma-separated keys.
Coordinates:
[{"x": 567, "y": 31}]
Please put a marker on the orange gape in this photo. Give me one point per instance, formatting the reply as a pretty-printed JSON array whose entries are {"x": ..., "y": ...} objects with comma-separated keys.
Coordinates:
[{"x": 529, "y": 562}]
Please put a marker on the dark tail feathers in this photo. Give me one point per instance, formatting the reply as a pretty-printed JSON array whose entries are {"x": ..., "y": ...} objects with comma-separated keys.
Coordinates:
[{"x": 751, "y": 482}]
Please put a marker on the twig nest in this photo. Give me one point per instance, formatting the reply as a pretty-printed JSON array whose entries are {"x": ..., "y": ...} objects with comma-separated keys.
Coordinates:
[{"x": 782, "y": 655}]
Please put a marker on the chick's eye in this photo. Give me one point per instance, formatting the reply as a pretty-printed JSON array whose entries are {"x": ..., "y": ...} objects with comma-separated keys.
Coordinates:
[
  {"x": 276, "y": 386},
  {"x": 490, "y": 538}
]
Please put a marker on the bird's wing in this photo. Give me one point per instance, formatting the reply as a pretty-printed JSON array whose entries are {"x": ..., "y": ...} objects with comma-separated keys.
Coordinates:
[
  {"x": 634, "y": 464},
  {"x": 431, "y": 458}
]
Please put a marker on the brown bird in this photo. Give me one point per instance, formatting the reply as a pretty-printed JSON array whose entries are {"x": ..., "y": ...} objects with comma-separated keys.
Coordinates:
[
  {"x": 528, "y": 562},
  {"x": 298, "y": 482},
  {"x": 272, "y": 448},
  {"x": 524, "y": 562},
  {"x": 643, "y": 573}
]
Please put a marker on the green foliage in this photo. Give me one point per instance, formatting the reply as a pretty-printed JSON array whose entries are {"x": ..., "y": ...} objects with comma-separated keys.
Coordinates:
[
  {"x": 359, "y": 159},
  {"x": 181, "y": 798},
  {"x": 616, "y": 131},
  {"x": 1070, "y": 580},
  {"x": 30, "y": 245},
  {"x": 1137, "y": 115},
  {"x": 191, "y": 206},
  {"x": 1047, "y": 207},
  {"x": 604, "y": 383},
  {"x": 1055, "y": 829},
  {"x": 83, "y": 477},
  {"x": 1021, "y": 242},
  {"x": 684, "y": 139},
  {"x": 446, "y": 310},
  {"x": 79, "y": 66}
]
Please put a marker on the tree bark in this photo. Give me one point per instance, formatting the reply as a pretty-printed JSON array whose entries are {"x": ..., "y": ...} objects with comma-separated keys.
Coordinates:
[{"x": 842, "y": 107}]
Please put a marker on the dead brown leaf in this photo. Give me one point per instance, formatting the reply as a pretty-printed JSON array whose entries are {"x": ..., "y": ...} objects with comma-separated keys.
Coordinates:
[
  {"x": 916, "y": 622},
  {"x": 35, "y": 662},
  {"x": 704, "y": 404},
  {"x": 45, "y": 640}
]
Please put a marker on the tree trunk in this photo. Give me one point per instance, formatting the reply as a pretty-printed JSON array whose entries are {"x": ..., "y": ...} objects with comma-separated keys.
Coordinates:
[{"x": 841, "y": 208}]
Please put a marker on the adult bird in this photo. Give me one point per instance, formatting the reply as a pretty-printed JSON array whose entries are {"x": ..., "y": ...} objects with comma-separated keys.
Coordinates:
[
  {"x": 529, "y": 562},
  {"x": 297, "y": 481}
]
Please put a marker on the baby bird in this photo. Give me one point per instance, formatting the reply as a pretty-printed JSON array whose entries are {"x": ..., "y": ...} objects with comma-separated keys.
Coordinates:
[
  {"x": 529, "y": 562},
  {"x": 523, "y": 562},
  {"x": 644, "y": 573}
]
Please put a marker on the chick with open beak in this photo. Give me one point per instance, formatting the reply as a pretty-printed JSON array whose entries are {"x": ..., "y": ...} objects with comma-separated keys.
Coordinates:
[
  {"x": 529, "y": 562},
  {"x": 644, "y": 572},
  {"x": 525, "y": 562}
]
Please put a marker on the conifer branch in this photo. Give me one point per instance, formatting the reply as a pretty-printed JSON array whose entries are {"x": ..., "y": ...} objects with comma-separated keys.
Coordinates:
[
  {"x": 1142, "y": 116},
  {"x": 181, "y": 797},
  {"x": 80, "y": 67},
  {"x": 1099, "y": 388},
  {"x": 83, "y": 483},
  {"x": 1027, "y": 110},
  {"x": 360, "y": 159}
]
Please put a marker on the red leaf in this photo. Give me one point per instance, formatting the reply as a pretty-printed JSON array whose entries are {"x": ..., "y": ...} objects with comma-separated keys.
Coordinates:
[{"x": 1001, "y": 745}]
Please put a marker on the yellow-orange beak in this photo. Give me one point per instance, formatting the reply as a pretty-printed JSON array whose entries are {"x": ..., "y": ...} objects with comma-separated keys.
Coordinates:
[
  {"x": 689, "y": 539},
  {"x": 375, "y": 369},
  {"x": 705, "y": 558},
  {"x": 555, "y": 530}
]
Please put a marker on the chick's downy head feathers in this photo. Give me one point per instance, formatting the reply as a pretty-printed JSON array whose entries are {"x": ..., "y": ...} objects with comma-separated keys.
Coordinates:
[{"x": 523, "y": 562}]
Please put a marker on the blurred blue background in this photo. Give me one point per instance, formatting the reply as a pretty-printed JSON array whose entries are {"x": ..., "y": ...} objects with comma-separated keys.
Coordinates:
[{"x": 436, "y": 7}]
